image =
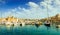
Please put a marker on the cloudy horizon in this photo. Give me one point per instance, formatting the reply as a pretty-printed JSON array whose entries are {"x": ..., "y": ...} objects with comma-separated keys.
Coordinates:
[{"x": 29, "y": 8}]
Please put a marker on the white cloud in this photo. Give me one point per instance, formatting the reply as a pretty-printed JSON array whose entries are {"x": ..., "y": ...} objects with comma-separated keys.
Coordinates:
[
  {"x": 33, "y": 5},
  {"x": 35, "y": 10}
]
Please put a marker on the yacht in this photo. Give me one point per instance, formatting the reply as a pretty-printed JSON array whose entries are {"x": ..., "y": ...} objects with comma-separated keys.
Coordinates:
[
  {"x": 47, "y": 23},
  {"x": 8, "y": 23},
  {"x": 22, "y": 24}
]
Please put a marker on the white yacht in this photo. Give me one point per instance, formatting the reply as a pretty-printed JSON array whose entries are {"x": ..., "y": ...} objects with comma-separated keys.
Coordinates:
[{"x": 8, "y": 23}]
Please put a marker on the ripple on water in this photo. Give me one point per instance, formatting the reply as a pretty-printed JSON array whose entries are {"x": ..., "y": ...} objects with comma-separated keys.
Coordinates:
[{"x": 29, "y": 30}]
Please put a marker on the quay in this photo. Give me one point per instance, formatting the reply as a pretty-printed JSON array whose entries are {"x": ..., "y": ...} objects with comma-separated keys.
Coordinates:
[
  {"x": 15, "y": 21},
  {"x": 20, "y": 21}
]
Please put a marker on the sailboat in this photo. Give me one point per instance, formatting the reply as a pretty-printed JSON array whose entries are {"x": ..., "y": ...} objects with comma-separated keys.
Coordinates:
[{"x": 47, "y": 22}]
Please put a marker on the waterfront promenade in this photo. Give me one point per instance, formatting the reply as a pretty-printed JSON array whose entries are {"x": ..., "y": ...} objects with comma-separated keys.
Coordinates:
[{"x": 13, "y": 20}]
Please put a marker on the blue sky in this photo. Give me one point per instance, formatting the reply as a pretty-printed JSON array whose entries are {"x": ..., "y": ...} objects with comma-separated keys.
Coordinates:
[
  {"x": 15, "y": 3},
  {"x": 35, "y": 9}
]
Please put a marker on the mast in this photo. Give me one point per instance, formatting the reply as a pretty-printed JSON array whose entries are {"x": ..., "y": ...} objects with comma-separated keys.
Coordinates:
[{"x": 47, "y": 12}]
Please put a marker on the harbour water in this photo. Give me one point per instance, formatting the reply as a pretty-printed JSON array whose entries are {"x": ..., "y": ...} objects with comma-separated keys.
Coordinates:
[{"x": 28, "y": 30}]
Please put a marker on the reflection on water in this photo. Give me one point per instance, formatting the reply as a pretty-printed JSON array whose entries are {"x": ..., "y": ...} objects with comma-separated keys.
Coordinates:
[
  {"x": 29, "y": 30},
  {"x": 37, "y": 25}
]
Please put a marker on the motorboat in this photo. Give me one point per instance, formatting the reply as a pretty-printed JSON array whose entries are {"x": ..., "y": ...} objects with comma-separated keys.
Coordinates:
[{"x": 57, "y": 26}]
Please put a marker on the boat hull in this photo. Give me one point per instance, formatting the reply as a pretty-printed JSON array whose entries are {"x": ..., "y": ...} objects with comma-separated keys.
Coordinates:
[{"x": 48, "y": 25}]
